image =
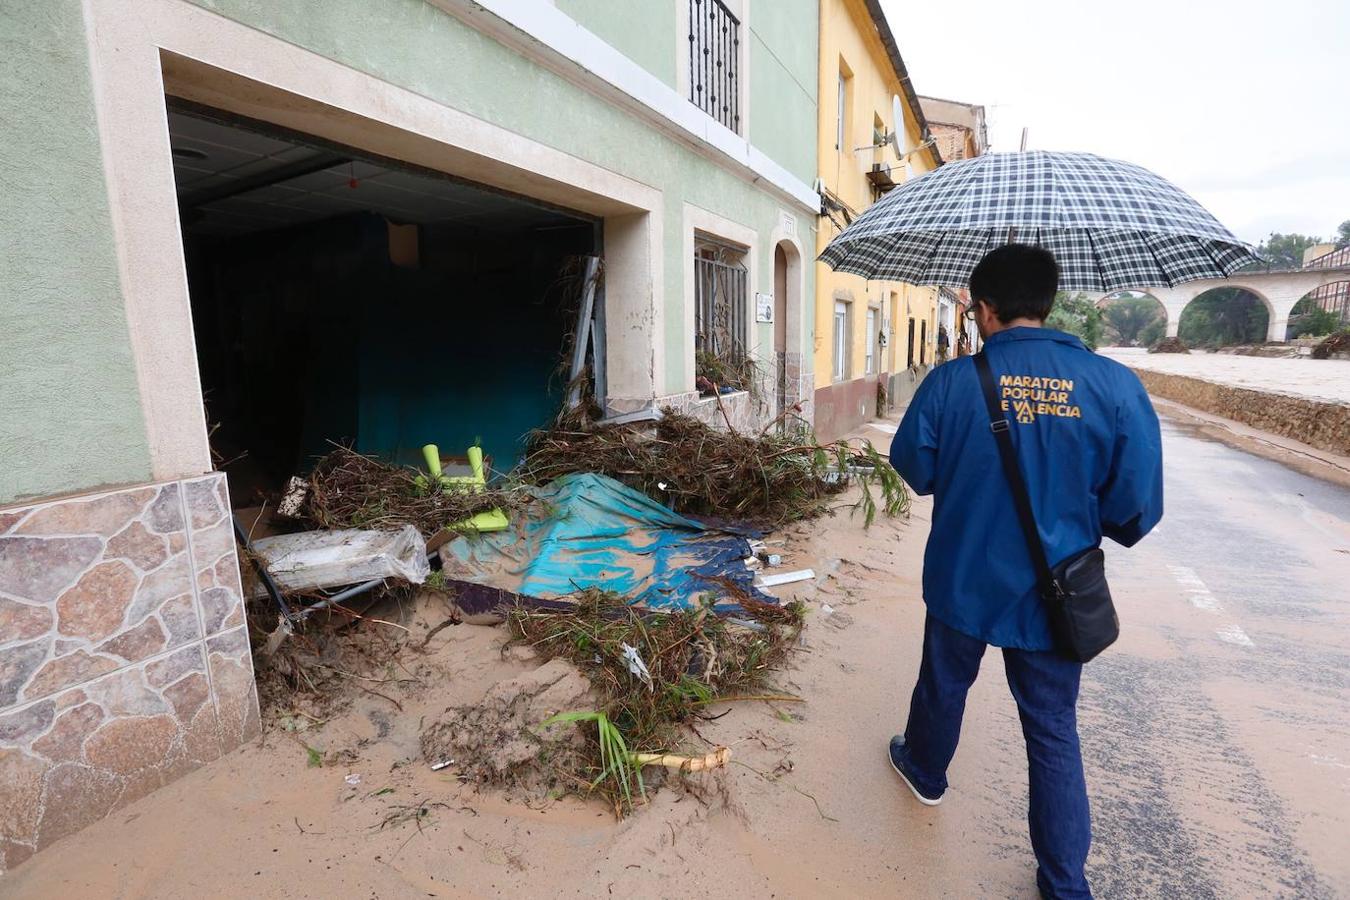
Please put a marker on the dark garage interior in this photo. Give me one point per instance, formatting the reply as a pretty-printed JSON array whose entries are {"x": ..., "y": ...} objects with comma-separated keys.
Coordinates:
[{"x": 341, "y": 298}]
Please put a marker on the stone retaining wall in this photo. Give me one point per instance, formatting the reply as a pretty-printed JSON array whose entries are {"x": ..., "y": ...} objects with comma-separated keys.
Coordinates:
[{"x": 1318, "y": 423}]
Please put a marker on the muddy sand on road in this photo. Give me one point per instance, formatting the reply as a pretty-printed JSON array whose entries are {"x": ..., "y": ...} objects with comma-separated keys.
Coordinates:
[{"x": 1188, "y": 797}]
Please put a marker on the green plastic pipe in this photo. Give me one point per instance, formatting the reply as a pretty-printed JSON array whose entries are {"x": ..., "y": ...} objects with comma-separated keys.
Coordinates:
[{"x": 432, "y": 454}]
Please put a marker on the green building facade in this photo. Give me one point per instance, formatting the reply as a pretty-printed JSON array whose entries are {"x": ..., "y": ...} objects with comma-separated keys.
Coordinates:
[{"x": 230, "y": 225}]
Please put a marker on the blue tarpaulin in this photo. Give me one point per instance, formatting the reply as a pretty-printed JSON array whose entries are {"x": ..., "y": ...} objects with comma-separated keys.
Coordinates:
[{"x": 599, "y": 533}]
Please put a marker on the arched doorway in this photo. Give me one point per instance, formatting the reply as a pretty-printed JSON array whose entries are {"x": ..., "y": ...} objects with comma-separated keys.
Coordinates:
[
  {"x": 787, "y": 308},
  {"x": 1225, "y": 317}
]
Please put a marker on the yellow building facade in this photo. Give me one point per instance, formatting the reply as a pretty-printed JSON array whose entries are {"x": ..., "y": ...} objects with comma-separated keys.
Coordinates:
[{"x": 868, "y": 334}]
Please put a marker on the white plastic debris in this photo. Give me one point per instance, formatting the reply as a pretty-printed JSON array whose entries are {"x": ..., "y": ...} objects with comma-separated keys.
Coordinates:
[
  {"x": 309, "y": 560},
  {"x": 827, "y": 609},
  {"x": 293, "y": 500},
  {"x": 442, "y": 764},
  {"x": 637, "y": 666},
  {"x": 353, "y": 779},
  {"x": 834, "y": 476},
  {"x": 785, "y": 578}
]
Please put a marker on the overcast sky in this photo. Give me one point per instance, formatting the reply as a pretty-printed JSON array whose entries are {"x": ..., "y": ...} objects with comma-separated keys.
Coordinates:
[{"x": 1244, "y": 105}]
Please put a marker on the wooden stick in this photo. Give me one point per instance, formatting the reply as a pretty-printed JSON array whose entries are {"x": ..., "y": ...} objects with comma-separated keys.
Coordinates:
[
  {"x": 714, "y": 760},
  {"x": 717, "y": 392},
  {"x": 791, "y": 410}
]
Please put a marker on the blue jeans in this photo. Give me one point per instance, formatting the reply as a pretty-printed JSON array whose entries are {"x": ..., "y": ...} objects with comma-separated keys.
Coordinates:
[{"x": 1045, "y": 686}]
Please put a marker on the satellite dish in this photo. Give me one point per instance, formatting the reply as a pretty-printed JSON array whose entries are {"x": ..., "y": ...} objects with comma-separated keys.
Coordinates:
[{"x": 897, "y": 136}]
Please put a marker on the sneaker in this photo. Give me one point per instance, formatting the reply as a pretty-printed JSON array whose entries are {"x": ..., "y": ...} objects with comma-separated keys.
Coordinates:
[{"x": 899, "y": 765}]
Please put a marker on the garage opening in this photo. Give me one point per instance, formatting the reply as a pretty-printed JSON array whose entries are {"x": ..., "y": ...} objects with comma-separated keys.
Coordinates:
[{"x": 340, "y": 297}]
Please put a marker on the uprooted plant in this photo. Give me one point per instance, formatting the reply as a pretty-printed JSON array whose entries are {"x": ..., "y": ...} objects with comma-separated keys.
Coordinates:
[
  {"x": 618, "y": 764},
  {"x": 651, "y": 671},
  {"x": 894, "y": 494}
]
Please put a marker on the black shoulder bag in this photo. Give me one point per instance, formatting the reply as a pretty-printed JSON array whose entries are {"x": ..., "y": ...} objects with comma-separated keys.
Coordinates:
[{"x": 1077, "y": 599}]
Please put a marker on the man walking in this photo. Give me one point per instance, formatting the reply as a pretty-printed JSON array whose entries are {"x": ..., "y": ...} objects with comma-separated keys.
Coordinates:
[{"x": 1090, "y": 452}]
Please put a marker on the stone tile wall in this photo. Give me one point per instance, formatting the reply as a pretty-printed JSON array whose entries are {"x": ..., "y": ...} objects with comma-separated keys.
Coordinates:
[
  {"x": 746, "y": 414},
  {"x": 124, "y": 660}
]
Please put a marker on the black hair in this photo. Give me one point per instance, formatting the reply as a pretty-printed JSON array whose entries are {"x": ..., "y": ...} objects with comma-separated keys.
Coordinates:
[{"x": 1018, "y": 280}]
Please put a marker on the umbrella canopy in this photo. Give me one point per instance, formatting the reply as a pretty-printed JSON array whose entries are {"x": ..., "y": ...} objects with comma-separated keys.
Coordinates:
[{"x": 1111, "y": 225}]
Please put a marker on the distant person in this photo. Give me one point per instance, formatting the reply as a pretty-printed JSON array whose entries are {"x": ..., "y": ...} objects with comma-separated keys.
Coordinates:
[
  {"x": 1089, "y": 448},
  {"x": 943, "y": 343},
  {"x": 963, "y": 343}
]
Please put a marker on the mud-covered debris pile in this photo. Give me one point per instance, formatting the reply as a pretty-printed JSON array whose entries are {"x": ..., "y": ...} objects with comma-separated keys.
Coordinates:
[
  {"x": 1170, "y": 345},
  {"x": 350, "y": 490},
  {"x": 502, "y": 739},
  {"x": 325, "y": 661},
  {"x": 699, "y": 470},
  {"x": 1336, "y": 343},
  {"x": 650, "y": 672}
]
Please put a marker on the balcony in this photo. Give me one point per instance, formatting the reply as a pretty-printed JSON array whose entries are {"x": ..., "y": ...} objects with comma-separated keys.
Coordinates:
[{"x": 715, "y": 61}]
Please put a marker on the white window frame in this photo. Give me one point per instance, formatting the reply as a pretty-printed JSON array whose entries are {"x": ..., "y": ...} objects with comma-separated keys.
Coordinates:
[
  {"x": 870, "y": 347},
  {"x": 840, "y": 335},
  {"x": 839, "y": 115}
]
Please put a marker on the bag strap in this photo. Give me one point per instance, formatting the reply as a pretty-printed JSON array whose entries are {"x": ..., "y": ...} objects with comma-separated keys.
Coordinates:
[{"x": 998, "y": 424}]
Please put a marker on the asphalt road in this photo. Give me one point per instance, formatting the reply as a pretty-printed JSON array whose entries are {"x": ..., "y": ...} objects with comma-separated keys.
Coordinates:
[{"x": 1217, "y": 732}]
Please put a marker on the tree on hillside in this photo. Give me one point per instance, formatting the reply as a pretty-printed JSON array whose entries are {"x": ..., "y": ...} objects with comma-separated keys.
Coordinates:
[
  {"x": 1285, "y": 251},
  {"x": 1343, "y": 235},
  {"x": 1128, "y": 317},
  {"x": 1077, "y": 314}
]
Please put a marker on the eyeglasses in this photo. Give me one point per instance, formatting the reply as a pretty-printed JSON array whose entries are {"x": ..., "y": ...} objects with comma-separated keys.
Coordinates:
[{"x": 969, "y": 314}]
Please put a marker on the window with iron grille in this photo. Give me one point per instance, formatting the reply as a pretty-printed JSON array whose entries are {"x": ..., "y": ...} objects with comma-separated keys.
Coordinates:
[
  {"x": 714, "y": 61},
  {"x": 721, "y": 291}
]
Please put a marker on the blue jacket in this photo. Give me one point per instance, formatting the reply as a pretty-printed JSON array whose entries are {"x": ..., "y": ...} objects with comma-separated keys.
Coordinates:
[{"x": 1091, "y": 454}]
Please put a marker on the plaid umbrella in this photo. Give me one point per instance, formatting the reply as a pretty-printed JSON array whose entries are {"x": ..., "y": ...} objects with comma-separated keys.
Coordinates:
[{"x": 1112, "y": 225}]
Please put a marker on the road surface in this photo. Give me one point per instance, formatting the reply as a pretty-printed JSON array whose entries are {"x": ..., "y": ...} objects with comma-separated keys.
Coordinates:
[
  {"x": 1216, "y": 735},
  {"x": 1218, "y": 732}
]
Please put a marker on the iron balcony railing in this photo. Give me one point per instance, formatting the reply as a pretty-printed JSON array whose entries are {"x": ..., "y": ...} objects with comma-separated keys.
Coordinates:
[{"x": 714, "y": 61}]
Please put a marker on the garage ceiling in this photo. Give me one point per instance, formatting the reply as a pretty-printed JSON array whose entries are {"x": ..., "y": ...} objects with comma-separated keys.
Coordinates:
[{"x": 234, "y": 181}]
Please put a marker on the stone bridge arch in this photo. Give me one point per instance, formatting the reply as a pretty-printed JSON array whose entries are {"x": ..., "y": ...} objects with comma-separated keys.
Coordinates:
[
  {"x": 1272, "y": 311},
  {"x": 1278, "y": 291}
]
